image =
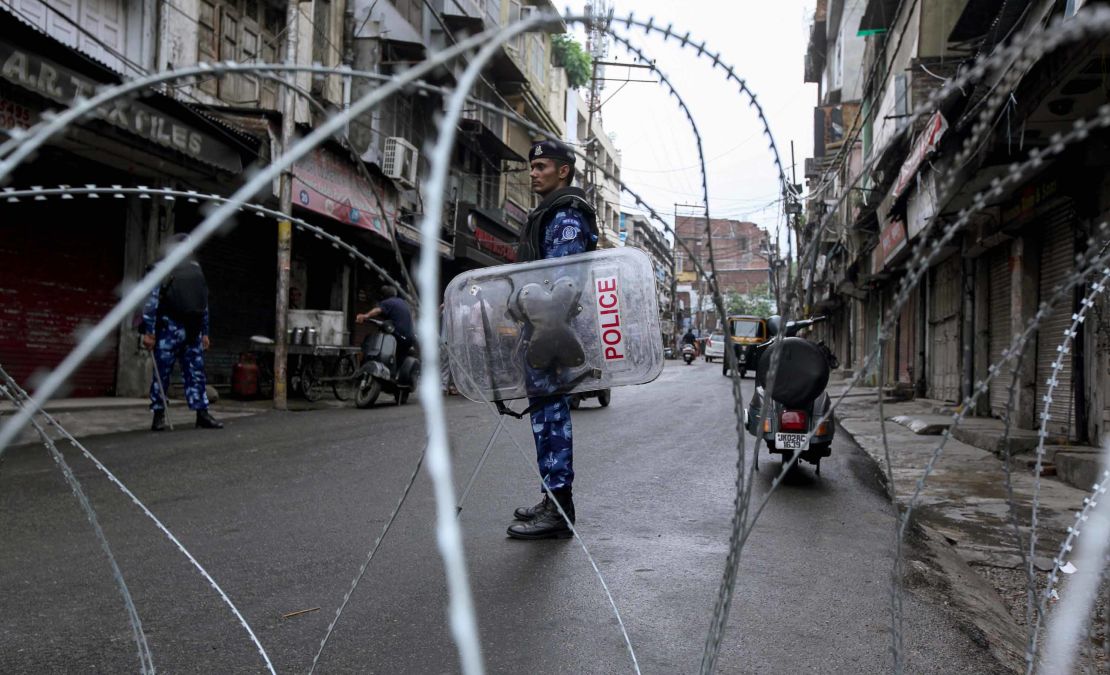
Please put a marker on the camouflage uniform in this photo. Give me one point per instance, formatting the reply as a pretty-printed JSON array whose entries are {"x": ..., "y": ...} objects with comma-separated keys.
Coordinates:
[
  {"x": 171, "y": 344},
  {"x": 566, "y": 234}
]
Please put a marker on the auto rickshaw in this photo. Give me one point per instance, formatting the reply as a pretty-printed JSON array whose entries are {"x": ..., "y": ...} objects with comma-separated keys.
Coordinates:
[{"x": 745, "y": 333}]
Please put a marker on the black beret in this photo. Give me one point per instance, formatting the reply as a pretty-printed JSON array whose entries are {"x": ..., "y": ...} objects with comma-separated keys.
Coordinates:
[{"x": 551, "y": 150}]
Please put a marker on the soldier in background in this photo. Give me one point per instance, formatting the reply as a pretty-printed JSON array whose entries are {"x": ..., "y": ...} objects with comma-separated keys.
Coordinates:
[{"x": 175, "y": 328}]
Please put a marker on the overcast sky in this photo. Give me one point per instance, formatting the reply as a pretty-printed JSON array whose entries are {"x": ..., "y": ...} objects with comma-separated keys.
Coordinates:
[{"x": 765, "y": 42}]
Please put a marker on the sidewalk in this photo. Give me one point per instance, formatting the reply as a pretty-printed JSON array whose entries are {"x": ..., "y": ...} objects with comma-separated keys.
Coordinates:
[
  {"x": 962, "y": 512},
  {"x": 83, "y": 417}
]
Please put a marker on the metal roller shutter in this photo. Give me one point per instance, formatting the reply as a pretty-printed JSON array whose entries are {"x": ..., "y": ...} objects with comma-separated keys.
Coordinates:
[
  {"x": 907, "y": 329},
  {"x": 239, "y": 269},
  {"x": 55, "y": 278},
  {"x": 944, "y": 330},
  {"x": 1057, "y": 262},
  {"x": 1000, "y": 332}
]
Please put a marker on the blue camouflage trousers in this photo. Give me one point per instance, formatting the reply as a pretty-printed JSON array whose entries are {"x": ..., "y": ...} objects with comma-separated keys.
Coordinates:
[
  {"x": 554, "y": 441},
  {"x": 551, "y": 427},
  {"x": 171, "y": 345}
]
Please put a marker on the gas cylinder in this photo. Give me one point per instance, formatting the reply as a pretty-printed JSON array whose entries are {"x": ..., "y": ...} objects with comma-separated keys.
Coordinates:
[{"x": 244, "y": 377}]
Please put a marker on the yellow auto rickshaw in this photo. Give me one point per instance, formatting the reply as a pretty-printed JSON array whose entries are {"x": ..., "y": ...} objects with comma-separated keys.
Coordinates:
[{"x": 745, "y": 332}]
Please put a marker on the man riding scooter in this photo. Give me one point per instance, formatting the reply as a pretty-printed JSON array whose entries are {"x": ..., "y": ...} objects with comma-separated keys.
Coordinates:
[
  {"x": 689, "y": 346},
  {"x": 389, "y": 360}
]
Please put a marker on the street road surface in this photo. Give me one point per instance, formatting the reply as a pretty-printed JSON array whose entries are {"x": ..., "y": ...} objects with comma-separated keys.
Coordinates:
[{"x": 283, "y": 507}]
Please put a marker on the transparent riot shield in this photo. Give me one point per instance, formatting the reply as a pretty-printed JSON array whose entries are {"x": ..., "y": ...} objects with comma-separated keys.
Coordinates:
[{"x": 579, "y": 323}]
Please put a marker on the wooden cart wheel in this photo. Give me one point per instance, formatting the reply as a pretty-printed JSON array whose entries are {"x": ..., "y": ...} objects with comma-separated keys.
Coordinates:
[
  {"x": 344, "y": 388},
  {"x": 311, "y": 373}
]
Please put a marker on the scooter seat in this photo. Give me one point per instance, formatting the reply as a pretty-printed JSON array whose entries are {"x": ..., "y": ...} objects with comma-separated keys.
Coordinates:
[{"x": 803, "y": 372}]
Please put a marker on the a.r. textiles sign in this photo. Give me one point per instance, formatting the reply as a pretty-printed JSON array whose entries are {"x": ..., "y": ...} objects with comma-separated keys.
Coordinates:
[{"x": 58, "y": 83}]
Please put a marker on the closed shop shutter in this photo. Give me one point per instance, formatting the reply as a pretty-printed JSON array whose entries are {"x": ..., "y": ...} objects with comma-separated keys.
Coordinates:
[
  {"x": 56, "y": 278},
  {"x": 241, "y": 274},
  {"x": 871, "y": 330},
  {"x": 890, "y": 347},
  {"x": 1000, "y": 334},
  {"x": 944, "y": 330},
  {"x": 907, "y": 330},
  {"x": 860, "y": 348},
  {"x": 1057, "y": 262}
]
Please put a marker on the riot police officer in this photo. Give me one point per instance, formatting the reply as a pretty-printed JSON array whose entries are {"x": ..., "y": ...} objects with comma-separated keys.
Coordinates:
[
  {"x": 175, "y": 327},
  {"x": 563, "y": 224}
]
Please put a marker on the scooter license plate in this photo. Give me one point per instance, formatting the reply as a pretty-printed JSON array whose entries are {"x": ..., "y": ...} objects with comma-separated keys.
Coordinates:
[{"x": 791, "y": 441}]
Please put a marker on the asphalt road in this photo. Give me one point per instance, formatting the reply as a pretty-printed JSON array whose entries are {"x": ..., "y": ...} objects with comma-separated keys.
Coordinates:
[{"x": 283, "y": 507}]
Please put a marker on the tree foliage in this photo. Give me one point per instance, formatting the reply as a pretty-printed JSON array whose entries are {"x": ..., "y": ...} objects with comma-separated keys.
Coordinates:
[
  {"x": 756, "y": 303},
  {"x": 574, "y": 59}
]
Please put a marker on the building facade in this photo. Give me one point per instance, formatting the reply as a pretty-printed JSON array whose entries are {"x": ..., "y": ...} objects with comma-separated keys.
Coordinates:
[
  {"x": 1006, "y": 255},
  {"x": 365, "y": 186},
  {"x": 739, "y": 251},
  {"x": 637, "y": 231}
]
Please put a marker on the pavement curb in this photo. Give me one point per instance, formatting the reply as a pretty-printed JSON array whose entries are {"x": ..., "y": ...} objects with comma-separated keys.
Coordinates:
[
  {"x": 972, "y": 601},
  {"x": 975, "y": 605}
]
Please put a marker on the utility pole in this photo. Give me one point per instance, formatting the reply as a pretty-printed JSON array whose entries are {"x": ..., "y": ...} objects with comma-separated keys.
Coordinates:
[
  {"x": 591, "y": 151},
  {"x": 597, "y": 44},
  {"x": 285, "y": 226},
  {"x": 793, "y": 210},
  {"x": 674, "y": 280}
]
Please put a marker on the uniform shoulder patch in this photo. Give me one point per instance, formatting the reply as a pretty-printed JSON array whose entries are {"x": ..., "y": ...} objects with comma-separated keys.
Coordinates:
[{"x": 566, "y": 225}]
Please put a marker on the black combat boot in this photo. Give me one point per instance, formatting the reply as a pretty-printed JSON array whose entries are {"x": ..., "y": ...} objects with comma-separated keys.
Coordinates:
[
  {"x": 548, "y": 522},
  {"x": 529, "y": 512},
  {"x": 206, "y": 421},
  {"x": 159, "y": 423}
]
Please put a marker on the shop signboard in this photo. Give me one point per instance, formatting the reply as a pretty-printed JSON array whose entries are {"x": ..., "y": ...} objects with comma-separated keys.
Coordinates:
[
  {"x": 926, "y": 143},
  {"x": 326, "y": 184},
  {"x": 62, "y": 85}
]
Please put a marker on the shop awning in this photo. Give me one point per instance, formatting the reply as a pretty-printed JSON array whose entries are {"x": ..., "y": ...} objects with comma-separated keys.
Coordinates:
[
  {"x": 878, "y": 17},
  {"x": 326, "y": 182},
  {"x": 490, "y": 143},
  {"x": 976, "y": 20}
]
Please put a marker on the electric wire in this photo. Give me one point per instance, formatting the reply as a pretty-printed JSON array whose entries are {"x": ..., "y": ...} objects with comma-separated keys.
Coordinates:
[{"x": 908, "y": 284}]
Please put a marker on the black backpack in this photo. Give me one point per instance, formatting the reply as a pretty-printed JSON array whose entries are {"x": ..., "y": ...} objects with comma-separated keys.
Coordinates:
[{"x": 184, "y": 297}]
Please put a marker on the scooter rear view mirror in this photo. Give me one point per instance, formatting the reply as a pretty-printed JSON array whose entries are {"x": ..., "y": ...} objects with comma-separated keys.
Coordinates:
[{"x": 774, "y": 325}]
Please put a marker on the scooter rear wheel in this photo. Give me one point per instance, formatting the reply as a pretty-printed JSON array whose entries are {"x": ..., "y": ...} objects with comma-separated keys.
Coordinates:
[{"x": 368, "y": 391}]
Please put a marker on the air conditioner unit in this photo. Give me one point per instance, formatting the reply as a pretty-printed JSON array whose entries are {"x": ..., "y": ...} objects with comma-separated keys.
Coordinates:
[{"x": 401, "y": 161}]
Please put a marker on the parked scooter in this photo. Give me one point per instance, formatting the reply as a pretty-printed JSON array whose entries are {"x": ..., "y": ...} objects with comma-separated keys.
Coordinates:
[
  {"x": 688, "y": 353},
  {"x": 383, "y": 369},
  {"x": 799, "y": 399}
]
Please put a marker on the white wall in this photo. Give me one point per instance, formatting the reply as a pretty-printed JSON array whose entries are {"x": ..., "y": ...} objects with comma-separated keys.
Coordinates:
[{"x": 885, "y": 125}]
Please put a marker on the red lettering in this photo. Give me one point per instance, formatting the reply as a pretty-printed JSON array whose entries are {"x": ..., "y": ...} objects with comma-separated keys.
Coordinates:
[
  {"x": 605, "y": 285},
  {"x": 614, "y": 323},
  {"x": 608, "y": 311},
  {"x": 614, "y": 333},
  {"x": 601, "y": 300},
  {"x": 611, "y": 354}
]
